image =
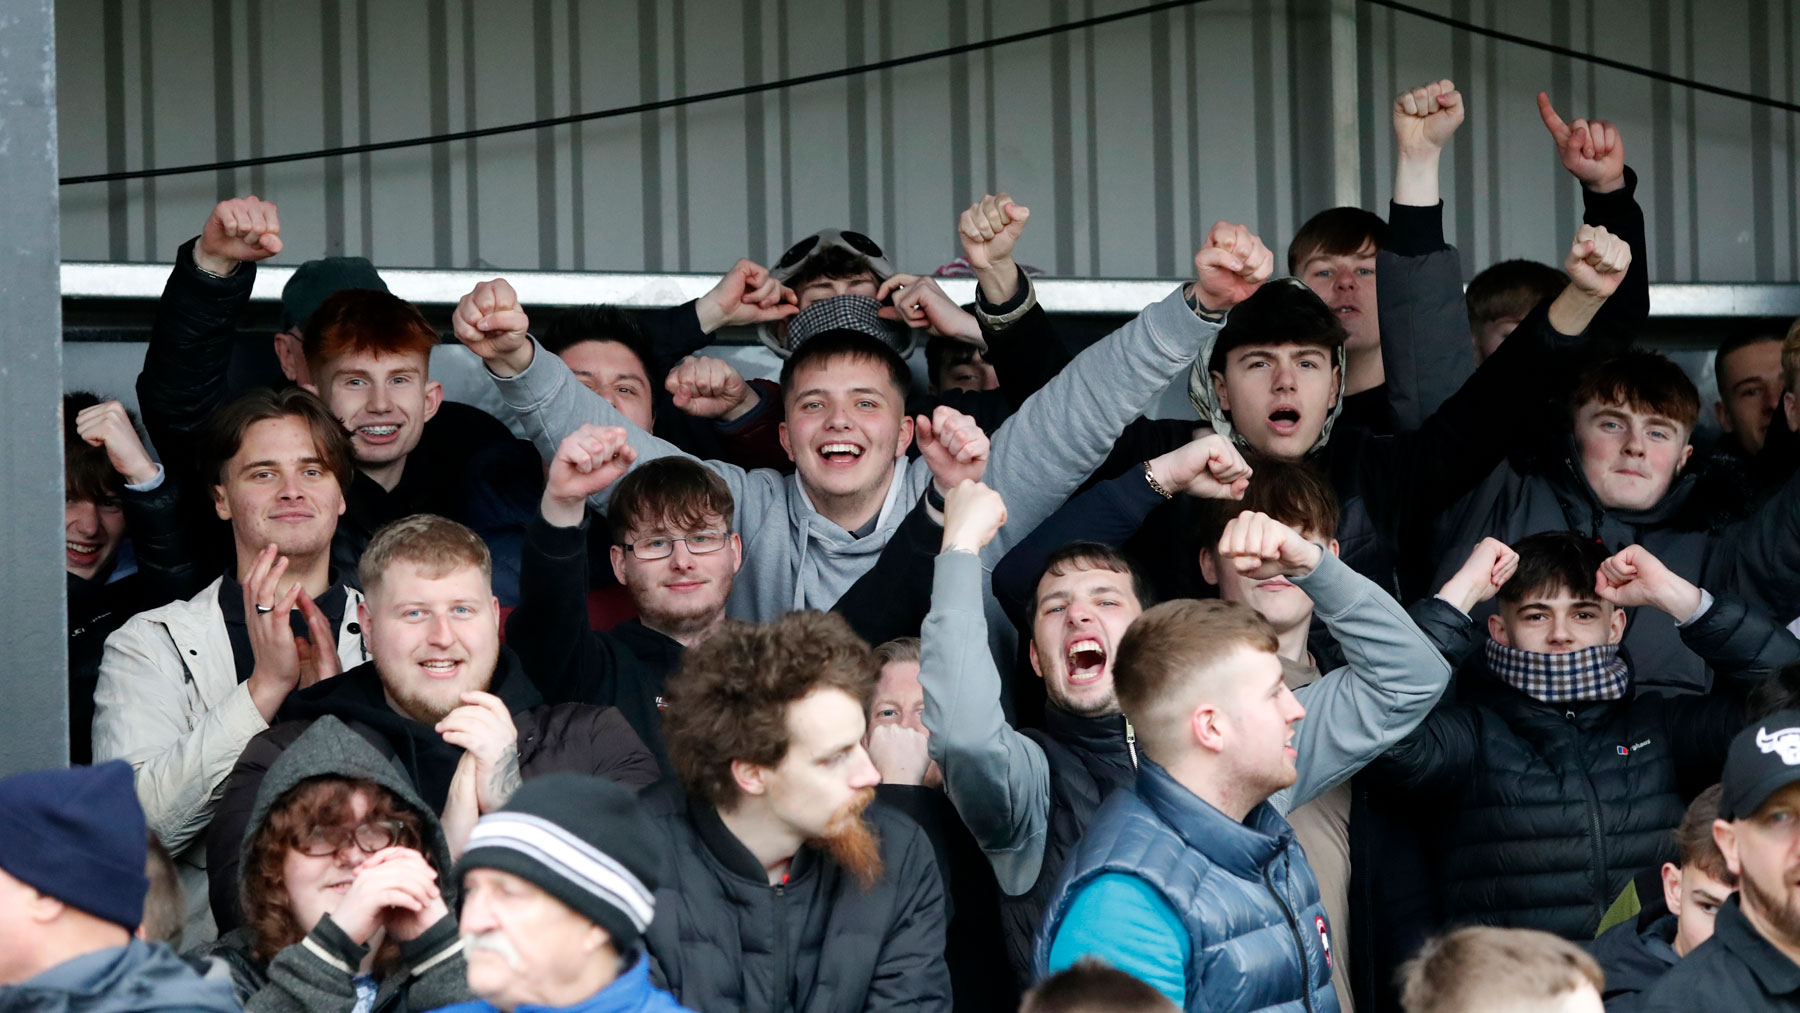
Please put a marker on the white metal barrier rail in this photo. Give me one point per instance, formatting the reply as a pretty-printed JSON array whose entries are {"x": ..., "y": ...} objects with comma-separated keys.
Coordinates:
[{"x": 84, "y": 280}]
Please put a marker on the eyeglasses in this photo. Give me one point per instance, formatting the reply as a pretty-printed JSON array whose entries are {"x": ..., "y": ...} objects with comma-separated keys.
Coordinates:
[
  {"x": 369, "y": 837},
  {"x": 854, "y": 240},
  {"x": 661, "y": 546}
]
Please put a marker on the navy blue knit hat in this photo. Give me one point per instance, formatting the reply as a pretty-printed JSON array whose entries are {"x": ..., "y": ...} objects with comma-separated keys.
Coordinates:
[{"x": 78, "y": 835}]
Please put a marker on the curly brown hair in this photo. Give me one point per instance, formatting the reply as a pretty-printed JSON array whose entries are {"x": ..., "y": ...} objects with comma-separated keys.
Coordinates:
[
  {"x": 316, "y": 801},
  {"x": 730, "y": 698}
]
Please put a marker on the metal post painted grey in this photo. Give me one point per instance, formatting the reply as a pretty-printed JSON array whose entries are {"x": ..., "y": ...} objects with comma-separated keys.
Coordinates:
[
  {"x": 34, "y": 723},
  {"x": 1346, "y": 106}
]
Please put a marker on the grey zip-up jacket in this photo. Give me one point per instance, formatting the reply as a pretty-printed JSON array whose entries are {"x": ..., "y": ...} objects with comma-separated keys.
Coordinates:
[
  {"x": 1000, "y": 780},
  {"x": 794, "y": 558}
]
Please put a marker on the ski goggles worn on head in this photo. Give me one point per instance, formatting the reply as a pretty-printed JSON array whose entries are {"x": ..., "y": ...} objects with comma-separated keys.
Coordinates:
[{"x": 825, "y": 239}]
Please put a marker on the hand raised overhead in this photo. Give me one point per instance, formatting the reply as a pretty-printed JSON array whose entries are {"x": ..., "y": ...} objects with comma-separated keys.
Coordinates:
[
  {"x": 1230, "y": 267},
  {"x": 1426, "y": 117},
  {"x": 973, "y": 515},
  {"x": 492, "y": 323},
  {"x": 1633, "y": 577},
  {"x": 1260, "y": 547},
  {"x": 1597, "y": 261},
  {"x": 709, "y": 388},
  {"x": 954, "y": 447},
  {"x": 587, "y": 461},
  {"x": 990, "y": 228},
  {"x": 239, "y": 229},
  {"x": 746, "y": 294},
  {"x": 1488, "y": 568},
  {"x": 1591, "y": 150},
  {"x": 1208, "y": 466}
]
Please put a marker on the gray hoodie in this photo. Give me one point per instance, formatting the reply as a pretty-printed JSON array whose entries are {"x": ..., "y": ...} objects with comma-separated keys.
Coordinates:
[
  {"x": 138, "y": 977},
  {"x": 1000, "y": 779},
  {"x": 794, "y": 558},
  {"x": 317, "y": 973}
]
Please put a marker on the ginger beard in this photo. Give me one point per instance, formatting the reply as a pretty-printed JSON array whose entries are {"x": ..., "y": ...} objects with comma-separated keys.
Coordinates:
[{"x": 851, "y": 842}]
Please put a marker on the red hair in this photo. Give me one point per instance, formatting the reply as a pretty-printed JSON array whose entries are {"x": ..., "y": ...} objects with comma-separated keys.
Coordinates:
[{"x": 365, "y": 320}]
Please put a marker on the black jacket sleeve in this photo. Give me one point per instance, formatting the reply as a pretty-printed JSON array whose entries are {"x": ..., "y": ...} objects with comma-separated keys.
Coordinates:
[
  {"x": 673, "y": 334},
  {"x": 1619, "y": 321},
  {"x": 1027, "y": 352},
  {"x": 1744, "y": 648},
  {"x": 563, "y": 657},
  {"x": 1425, "y": 346},
  {"x": 1110, "y": 512},
  {"x": 892, "y": 598},
  {"x": 581, "y": 738},
  {"x": 155, "y": 523},
  {"x": 184, "y": 381}
]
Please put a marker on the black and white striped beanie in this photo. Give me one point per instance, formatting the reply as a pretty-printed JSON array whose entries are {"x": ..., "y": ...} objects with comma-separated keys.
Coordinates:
[{"x": 583, "y": 840}]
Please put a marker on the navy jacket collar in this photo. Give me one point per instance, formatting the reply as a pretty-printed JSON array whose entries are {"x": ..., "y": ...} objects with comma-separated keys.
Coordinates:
[{"x": 1242, "y": 849}]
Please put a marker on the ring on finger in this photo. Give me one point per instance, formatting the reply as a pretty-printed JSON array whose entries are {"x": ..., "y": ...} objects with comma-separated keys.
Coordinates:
[{"x": 263, "y": 610}]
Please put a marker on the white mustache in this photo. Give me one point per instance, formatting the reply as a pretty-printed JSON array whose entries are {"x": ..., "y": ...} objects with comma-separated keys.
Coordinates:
[{"x": 499, "y": 944}]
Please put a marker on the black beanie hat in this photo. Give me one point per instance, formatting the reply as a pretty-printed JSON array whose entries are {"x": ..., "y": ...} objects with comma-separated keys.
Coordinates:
[
  {"x": 78, "y": 835},
  {"x": 585, "y": 841}
]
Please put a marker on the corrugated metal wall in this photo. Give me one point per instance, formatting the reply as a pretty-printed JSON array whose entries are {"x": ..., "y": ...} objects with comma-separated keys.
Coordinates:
[{"x": 1127, "y": 140}]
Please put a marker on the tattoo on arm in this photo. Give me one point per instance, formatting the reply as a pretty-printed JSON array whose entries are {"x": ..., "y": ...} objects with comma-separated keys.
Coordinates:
[{"x": 505, "y": 778}]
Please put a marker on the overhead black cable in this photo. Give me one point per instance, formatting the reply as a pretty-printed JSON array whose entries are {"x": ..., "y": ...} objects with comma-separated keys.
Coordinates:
[
  {"x": 642, "y": 107},
  {"x": 1574, "y": 54},
  {"x": 889, "y": 64}
]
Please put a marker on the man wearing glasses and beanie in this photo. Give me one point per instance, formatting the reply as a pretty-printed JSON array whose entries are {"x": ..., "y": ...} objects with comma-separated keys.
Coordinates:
[{"x": 1752, "y": 961}]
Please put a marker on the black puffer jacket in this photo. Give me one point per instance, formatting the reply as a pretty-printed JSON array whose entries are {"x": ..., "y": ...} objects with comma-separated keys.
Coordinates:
[
  {"x": 1547, "y": 812},
  {"x": 725, "y": 939}
]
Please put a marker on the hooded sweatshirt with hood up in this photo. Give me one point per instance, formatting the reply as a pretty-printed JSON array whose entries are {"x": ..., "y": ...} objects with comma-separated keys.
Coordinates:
[{"x": 317, "y": 974}]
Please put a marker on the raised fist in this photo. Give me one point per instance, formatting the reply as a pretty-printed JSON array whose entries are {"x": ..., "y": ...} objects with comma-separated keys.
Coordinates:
[
  {"x": 709, "y": 389},
  {"x": 901, "y": 754},
  {"x": 107, "y": 425},
  {"x": 745, "y": 295},
  {"x": 973, "y": 515},
  {"x": 1633, "y": 577},
  {"x": 954, "y": 447},
  {"x": 1260, "y": 547},
  {"x": 1591, "y": 150},
  {"x": 493, "y": 324},
  {"x": 1230, "y": 267},
  {"x": 919, "y": 302},
  {"x": 588, "y": 460},
  {"x": 240, "y": 229},
  {"x": 1209, "y": 467},
  {"x": 1597, "y": 261},
  {"x": 989, "y": 228},
  {"x": 1488, "y": 567},
  {"x": 1426, "y": 117}
]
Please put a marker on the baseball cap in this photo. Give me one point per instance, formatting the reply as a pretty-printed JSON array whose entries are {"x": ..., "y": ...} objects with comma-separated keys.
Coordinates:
[
  {"x": 1763, "y": 759},
  {"x": 318, "y": 280}
]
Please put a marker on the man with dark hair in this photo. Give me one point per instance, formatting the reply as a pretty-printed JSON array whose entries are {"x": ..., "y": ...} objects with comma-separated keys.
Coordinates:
[
  {"x": 812, "y": 535},
  {"x": 184, "y": 687},
  {"x": 439, "y": 694},
  {"x": 1546, "y": 739},
  {"x": 608, "y": 354},
  {"x": 1747, "y": 371},
  {"x": 114, "y": 496},
  {"x": 674, "y": 550},
  {"x": 1028, "y": 796},
  {"x": 787, "y": 889},
  {"x": 1487, "y": 970},
  {"x": 1618, "y": 473},
  {"x": 1500, "y": 297},
  {"x": 1636, "y": 953},
  {"x": 1752, "y": 961},
  {"x": 1335, "y": 254},
  {"x": 72, "y": 885}
]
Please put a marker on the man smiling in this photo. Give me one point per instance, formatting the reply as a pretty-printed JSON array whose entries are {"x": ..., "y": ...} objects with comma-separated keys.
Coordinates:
[{"x": 812, "y": 535}]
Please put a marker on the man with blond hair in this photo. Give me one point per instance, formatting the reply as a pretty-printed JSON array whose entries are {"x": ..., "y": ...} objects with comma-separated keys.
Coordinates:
[{"x": 1488, "y": 970}]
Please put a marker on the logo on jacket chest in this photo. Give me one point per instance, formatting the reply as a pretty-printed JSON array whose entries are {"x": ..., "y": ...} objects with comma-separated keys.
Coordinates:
[
  {"x": 1324, "y": 938},
  {"x": 1634, "y": 747}
]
